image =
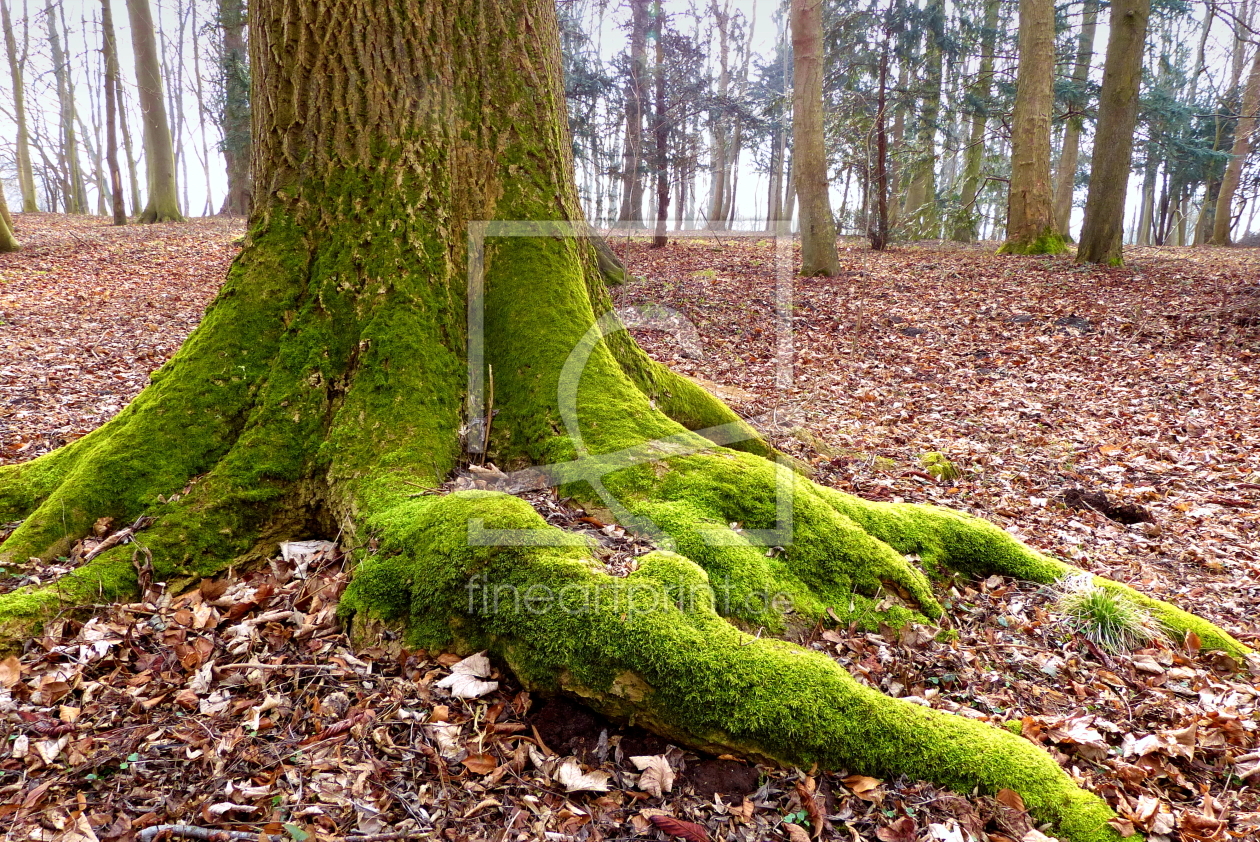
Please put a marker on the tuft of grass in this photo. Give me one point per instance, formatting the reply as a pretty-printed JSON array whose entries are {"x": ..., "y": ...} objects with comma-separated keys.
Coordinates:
[{"x": 1107, "y": 619}]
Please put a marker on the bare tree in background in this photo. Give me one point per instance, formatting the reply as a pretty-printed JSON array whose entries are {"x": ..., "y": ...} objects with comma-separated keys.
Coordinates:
[
  {"x": 163, "y": 199},
  {"x": 111, "y": 112},
  {"x": 809, "y": 154},
  {"x": 26, "y": 175}
]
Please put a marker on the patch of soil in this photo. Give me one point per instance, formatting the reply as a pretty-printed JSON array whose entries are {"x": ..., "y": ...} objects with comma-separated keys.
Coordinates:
[
  {"x": 1126, "y": 513},
  {"x": 729, "y": 778}
]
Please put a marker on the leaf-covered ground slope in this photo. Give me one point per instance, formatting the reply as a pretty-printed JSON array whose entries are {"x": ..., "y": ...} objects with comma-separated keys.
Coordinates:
[{"x": 1054, "y": 394}]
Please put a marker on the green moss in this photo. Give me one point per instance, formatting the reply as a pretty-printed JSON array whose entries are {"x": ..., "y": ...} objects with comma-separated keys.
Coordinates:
[
  {"x": 653, "y": 647},
  {"x": 1048, "y": 242}
]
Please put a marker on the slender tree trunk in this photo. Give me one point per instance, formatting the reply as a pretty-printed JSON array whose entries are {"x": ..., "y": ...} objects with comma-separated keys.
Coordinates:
[
  {"x": 124, "y": 125},
  {"x": 879, "y": 224},
  {"x": 774, "y": 201},
  {"x": 73, "y": 177},
  {"x": 809, "y": 153},
  {"x": 159, "y": 153},
  {"x": 965, "y": 226},
  {"x": 235, "y": 119},
  {"x": 1146, "y": 210},
  {"x": 26, "y": 174},
  {"x": 897, "y": 148},
  {"x": 789, "y": 201},
  {"x": 199, "y": 90},
  {"x": 1102, "y": 234},
  {"x": 636, "y": 101},
  {"x": 921, "y": 219},
  {"x": 1030, "y": 224},
  {"x": 1065, "y": 178},
  {"x": 719, "y": 123},
  {"x": 111, "y": 112},
  {"x": 661, "y": 131},
  {"x": 1243, "y": 130}
]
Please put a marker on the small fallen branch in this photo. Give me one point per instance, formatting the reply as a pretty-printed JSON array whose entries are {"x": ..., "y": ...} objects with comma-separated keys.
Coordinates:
[{"x": 208, "y": 834}]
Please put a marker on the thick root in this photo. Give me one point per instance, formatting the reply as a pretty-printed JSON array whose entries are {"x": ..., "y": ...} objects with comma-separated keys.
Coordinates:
[
  {"x": 653, "y": 648},
  {"x": 839, "y": 551},
  {"x": 178, "y": 428}
]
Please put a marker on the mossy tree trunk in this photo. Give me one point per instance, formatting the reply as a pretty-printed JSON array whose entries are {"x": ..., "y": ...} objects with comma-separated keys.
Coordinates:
[
  {"x": 328, "y": 381},
  {"x": 1030, "y": 223},
  {"x": 1102, "y": 232}
]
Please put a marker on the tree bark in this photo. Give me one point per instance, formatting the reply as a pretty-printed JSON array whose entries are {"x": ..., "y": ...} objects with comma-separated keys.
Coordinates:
[
  {"x": 335, "y": 371},
  {"x": 809, "y": 154},
  {"x": 75, "y": 197},
  {"x": 163, "y": 199},
  {"x": 1030, "y": 223},
  {"x": 1102, "y": 233},
  {"x": 660, "y": 130},
  {"x": 966, "y": 225},
  {"x": 1243, "y": 130},
  {"x": 920, "y": 219},
  {"x": 1065, "y": 178},
  {"x": 636, "y": 97},
  {"x": 234, "y": 121},
  {"x": 8, "y": 241},
  {"x": 111, "y": 112},
  {"x": 879, "y": 224},
  {"x": 26, "y": 174}
]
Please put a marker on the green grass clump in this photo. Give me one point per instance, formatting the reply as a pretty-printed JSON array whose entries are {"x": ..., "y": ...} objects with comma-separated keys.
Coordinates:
[{"x": 1107, "y": 619}]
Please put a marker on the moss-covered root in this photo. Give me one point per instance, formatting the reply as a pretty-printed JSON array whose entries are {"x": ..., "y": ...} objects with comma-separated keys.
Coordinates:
[
  {"x": 944, "y": 538},
  {"x": 109, "y": 577},
  {"x": 652, "y": 648}
]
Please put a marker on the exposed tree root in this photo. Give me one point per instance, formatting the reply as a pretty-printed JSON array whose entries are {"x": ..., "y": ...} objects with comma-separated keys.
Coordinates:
[{"x": 653, "y": 648}]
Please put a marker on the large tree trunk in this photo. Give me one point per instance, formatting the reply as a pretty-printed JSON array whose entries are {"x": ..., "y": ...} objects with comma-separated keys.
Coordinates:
[
  {"x": 1030, "y": 224},
  {"x": 1102, "y": 233},
  {"x": 967, "y": 222},
  {"x": 809, "y": 153},
  {"x": 354, "y": 340},
  {"x": 159, "y": 152},
  {"x": 235, "y": 115},
  {"x": 1243, "y": 130},
  {"x": 1065, "y": 178},
  {"x": 26, "y": 174}
]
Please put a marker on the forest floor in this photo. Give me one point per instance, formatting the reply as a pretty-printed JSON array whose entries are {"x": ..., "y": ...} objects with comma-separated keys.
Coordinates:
[{"x": 1060, "y": 394}]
